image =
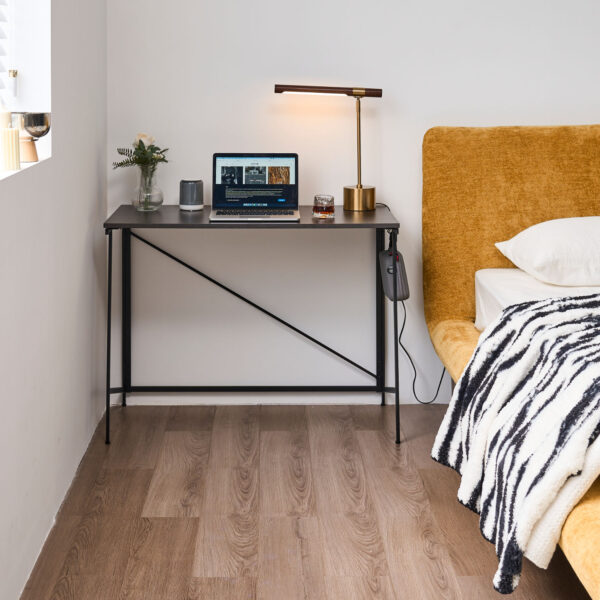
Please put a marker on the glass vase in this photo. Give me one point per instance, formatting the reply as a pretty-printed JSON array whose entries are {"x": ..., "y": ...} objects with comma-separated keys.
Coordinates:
[{"x": 147, "y": 197}]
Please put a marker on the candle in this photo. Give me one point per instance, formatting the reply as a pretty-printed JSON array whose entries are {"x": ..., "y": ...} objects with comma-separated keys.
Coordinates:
[{"x": 9, "y": 143}]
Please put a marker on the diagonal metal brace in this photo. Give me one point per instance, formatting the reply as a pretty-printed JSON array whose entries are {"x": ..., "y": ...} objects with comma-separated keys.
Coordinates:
[{"x": 254, "y": 305}]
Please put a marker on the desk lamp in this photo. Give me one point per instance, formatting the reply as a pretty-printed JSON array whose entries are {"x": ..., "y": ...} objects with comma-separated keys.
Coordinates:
[{"x": 356, "y": 197}]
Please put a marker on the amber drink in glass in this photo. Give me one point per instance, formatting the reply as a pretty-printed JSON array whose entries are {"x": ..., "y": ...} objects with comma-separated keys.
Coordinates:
[{"x": 323, "y": 207}]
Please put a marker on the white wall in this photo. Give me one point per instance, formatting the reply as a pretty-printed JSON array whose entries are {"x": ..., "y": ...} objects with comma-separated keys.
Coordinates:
[
  {"x": 199, "y": 76},
  {"x": 52, "y": 261}
]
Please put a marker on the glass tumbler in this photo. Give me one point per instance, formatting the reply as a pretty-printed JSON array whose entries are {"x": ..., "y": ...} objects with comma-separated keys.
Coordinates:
[{"x": 323, "y": 207}]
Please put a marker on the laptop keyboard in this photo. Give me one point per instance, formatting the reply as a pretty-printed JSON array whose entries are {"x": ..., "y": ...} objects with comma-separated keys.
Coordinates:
[{"x": 252, "y": 212}]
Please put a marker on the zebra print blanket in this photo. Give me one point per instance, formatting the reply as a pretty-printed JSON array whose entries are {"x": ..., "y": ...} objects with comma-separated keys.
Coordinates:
[{"x": 522, "y": 428}]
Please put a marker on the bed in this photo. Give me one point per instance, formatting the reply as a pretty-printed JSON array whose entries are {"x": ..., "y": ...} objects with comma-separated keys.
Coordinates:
[
  {"x": 495, "y": 289},
  {"x": 481, "y": 186}
]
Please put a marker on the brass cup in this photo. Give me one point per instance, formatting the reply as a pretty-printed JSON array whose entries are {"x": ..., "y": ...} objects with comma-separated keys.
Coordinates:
[{"x": 359, "y": 198}]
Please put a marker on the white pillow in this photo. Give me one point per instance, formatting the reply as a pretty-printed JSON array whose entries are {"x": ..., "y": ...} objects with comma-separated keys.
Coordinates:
[{"x": 562, "y": 251}]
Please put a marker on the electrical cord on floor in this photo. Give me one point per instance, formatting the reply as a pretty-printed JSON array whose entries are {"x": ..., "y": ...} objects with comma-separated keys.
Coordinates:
[{"x": 412, "y": 364}]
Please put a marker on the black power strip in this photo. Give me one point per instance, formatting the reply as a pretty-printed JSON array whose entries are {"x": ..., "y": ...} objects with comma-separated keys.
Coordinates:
[{"x": 402, "y": 293}]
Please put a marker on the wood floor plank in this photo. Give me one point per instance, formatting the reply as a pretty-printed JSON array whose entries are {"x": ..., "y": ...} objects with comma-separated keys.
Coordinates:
[
  {"x": 206, "y": 588},
  {"x": 377, "y": 418},
  {"x": 310, "y": 538},
  {"x": 137, "y": 440},
  {"x": 279, "y": 561},
  {"x": 398, "y": 492},
  {"x": 285, "y": 463},
  {"x": 352, "y": 545},
  {"x": 114, "y": 493},
  {"x": 177, "y": 484},
  {"x": 190, "y": 418},
  {"x": 360, "y": 588},
  {"x": 290, "y": 562},
  {"x": 275, "y": 417},
  {"x": 419, "y": 425},
  {"x": 377, "y": 450},
  {"x": 50, "y": 561},
  {"x": 471, "y": 554},
  {"x": 418, "y": 420},
  {"x": 95, "y": 563},
  {"x": 554, "y": 584},
  {"x": 341, "y": 488},
  {"x": 103, "y": 571},
  {"x": 351, "y": 536},
  {"x": 231, "y": 491},
  {"x": 372, "y": 417},
  {"x": 91, "y": 464},
  {"x": 331, "y": 435},
  {"x": 160, "y": 559},
  {"x": 420, "y": 567},
  {"x": 235, "y": 437},
  {"x": 227, "y": 546},
  {"x": 227, "y": 541},
  {"x": 336, "y": 461}
]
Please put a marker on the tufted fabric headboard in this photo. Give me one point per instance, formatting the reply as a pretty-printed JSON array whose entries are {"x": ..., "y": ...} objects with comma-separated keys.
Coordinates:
[{"x": 485, "y": 184}]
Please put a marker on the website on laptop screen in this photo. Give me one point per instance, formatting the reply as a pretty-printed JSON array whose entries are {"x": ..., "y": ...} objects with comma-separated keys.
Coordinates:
[{"x": 255, "y": 182}]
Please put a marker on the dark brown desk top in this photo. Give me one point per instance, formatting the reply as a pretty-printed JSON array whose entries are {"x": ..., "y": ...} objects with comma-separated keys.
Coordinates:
[{"x": 170, "y": 217}]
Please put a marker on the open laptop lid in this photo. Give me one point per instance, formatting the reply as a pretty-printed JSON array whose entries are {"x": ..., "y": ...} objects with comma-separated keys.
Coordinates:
[{"x": 255, "y": 181}]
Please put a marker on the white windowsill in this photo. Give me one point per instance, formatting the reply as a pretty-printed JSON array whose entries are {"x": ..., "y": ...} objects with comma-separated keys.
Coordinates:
[{"x": 24, "y": 167}]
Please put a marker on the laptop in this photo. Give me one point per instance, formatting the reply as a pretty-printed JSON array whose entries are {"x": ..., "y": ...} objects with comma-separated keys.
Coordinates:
[{"x": 255, "y": 187}]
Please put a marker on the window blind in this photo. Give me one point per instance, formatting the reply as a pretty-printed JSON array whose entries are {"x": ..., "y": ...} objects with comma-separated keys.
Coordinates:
[{"x": 4, "y": 41}]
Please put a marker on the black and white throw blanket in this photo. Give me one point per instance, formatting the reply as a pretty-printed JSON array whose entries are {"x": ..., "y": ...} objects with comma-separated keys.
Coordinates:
[{"x": 522, "y": 428}]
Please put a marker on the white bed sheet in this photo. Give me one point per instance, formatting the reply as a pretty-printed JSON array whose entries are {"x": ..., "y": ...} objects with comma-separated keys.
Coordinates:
[{"x": 495, "y": 289}]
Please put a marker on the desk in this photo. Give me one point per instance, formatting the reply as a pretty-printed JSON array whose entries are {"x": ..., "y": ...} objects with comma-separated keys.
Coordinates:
[{"x": 127, "y": 219}]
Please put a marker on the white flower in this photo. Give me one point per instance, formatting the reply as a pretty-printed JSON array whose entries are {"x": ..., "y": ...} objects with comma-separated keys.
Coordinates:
[{"x": 144, "y": 137}]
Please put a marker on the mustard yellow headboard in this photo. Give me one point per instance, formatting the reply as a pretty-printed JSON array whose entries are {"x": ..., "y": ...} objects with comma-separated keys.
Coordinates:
[{"x": 485, "y": 184}]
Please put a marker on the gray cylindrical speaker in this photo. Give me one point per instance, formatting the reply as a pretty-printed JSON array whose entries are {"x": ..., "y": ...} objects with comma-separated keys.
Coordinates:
[{"x": 191, "y": 194}]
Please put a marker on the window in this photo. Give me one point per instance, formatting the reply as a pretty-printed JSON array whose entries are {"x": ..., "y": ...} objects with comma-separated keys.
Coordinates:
[
  {"x": 25, "y": 49},
  {"x": 4, "y": 42}
]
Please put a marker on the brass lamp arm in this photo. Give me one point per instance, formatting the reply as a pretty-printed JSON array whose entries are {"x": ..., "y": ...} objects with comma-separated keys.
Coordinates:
[{"x": 358, "y": 157}]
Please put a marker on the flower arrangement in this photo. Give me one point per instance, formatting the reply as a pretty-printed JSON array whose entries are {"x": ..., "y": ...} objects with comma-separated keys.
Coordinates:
[{"x": 146, "y": 155}]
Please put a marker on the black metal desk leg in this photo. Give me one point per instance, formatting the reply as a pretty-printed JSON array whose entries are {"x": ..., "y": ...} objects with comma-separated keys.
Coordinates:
[
  {"x": 108, "y": 332},
  {"x": 380, "y": 315},
  {"x": 126, "y": 316},
  {"x": 394, "y": 235}
]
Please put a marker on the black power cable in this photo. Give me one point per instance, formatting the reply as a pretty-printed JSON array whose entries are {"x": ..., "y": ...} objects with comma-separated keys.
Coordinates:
[{"x": 412, "y": 364}]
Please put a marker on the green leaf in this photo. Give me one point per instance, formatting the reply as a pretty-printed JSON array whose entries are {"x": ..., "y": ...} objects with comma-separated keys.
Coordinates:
[{"x": 141, "y": 155}]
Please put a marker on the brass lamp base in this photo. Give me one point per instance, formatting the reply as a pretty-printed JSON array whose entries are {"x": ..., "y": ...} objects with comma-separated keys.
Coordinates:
[{"x": 359, "y": 198}]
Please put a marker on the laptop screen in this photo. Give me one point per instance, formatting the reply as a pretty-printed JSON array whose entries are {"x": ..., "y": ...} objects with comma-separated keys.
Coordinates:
[{"x": 255, "y": 181}]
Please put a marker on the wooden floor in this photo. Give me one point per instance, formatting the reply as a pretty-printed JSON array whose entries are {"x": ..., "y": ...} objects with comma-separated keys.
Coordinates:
[{"x": 282, "y": 502}]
